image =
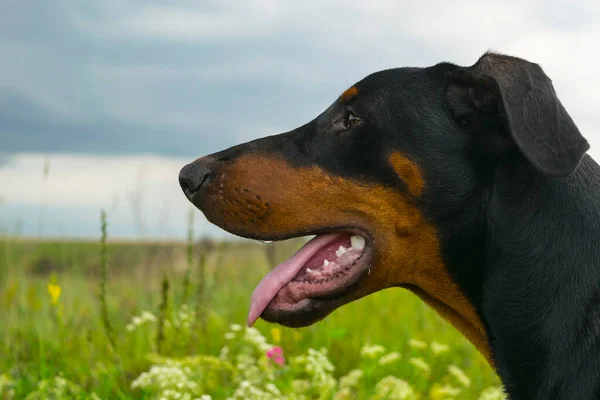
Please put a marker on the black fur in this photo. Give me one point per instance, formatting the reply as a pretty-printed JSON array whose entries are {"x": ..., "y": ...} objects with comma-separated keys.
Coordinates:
[{"x": 508, "y": 184}]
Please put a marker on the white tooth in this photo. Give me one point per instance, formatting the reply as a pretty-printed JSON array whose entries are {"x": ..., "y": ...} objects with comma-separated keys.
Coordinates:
[
  {"x": 340, "y": 251},
  {"x": 308, "y": 270},
  {"x": 358, "y": 242},
  {"x": 326, "y": 263}
]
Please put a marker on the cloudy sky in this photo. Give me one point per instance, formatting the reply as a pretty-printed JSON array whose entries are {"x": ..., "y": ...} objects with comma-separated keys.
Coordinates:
[{"x": 114, "y": 96}]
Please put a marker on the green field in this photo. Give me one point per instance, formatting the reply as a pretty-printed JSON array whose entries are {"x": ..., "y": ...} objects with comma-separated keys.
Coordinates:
[{"x": 170, "y": 324}]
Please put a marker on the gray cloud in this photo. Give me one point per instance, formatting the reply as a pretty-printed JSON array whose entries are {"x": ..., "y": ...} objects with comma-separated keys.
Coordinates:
[
  {"x": 183, "y": 78},
  {"x": 186, "y": 78}
]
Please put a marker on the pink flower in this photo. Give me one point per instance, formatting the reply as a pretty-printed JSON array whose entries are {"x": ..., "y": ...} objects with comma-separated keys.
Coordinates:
[{"x": 276, "y": 355}]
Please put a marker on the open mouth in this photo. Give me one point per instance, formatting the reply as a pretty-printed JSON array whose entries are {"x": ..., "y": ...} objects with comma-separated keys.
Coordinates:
[{"x": 326, "y": 267}]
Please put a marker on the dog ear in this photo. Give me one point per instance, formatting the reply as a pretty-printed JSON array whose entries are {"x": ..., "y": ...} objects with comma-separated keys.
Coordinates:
[{"x": 522, "y": 95}]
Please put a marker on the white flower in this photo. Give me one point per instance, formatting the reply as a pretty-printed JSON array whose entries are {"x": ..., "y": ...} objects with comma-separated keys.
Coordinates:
[
  {"x": 229, "y": 335},
  {"x": 371, "y": 351},
  {"x": 460, "y": 375},
  {"x": 393, "y": 388},
  {"x": 417, "y": 344},
  {"x": 421, "y": 364},
  {"x": 443, "y": 392},
  {"x": 257, "y": 340},
  {"x": 493, "y": 393},
  {"x": 235, "y": 327},
  {"x": 351, "y": 379},
  {"x": 146, "y": 316},
  {"x": 389, "y": 358},
  {"x": 438, "y": 348}
]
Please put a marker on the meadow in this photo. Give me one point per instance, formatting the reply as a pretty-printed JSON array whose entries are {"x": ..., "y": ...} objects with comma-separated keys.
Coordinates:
[{"x": 156, "y": 320}]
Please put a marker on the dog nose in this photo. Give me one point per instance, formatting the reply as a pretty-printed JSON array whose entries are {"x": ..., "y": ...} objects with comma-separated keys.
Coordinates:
[{"x": 193, "y": 177}]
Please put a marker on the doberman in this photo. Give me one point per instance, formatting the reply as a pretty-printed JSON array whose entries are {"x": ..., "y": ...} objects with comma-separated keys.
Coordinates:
[{"x": 469, "y": 186}]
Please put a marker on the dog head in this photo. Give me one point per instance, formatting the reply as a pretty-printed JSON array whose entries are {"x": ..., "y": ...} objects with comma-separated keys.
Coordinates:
[{"x": 391, "y": 178}]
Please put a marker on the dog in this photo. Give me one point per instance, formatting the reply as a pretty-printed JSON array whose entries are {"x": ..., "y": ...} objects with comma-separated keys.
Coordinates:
[{"x": 471, "y": 187}]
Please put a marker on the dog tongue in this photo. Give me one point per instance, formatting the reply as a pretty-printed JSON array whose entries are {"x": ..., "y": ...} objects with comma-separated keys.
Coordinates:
[{"x": 281, "y": 275}]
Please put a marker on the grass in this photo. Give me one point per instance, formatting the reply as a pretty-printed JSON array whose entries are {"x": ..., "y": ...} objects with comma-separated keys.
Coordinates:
[{"x": 48, "y": 332}]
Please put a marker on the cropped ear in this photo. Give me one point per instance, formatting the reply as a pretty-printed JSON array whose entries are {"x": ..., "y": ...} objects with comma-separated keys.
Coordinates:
[{"x": 537, "y": 122}]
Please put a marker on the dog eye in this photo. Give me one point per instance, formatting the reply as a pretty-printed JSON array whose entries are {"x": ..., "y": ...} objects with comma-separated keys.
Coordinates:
[
  {"x": 464, "y": 120},
  {"x": 351, "y": 120}
]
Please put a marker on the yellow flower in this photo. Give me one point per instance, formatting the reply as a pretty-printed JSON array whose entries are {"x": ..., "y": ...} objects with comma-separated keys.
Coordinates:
[
  {"x": 297, "y": 334},
  {"x": 276, "y": 335},
  {"x": 54, "y": 291}
]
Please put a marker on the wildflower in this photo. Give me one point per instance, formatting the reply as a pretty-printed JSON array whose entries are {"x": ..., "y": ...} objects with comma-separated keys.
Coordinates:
[
  {"x": 205, "y": 397},
  {"x": 438, "y": 348},
  {"x": 276, "y": 355},
  {"x": 148, "y": 317},
  {"x": 276, "y": 335},
  {"x": 460, "y": 375},
  {"x": 6, "y": 386},
  {"x": 168, "y": 380},
  {"x": 371, "y": 351},
  {"x": 319, "y": 368},
  {"x": 417, "y": 344},
  {"x": 297, "y": 334},
  {"x": 419, "y": 363},
  {"x": 439, "y": 392},
  {"x": 229, "y": 335},
  {"x": 57, "y": 388},
  {"x": 138, "y": 320},
  {"x": 343, "y": 394},
  {"x": 246, "y": 390},
  {"x": 224, "y": 353},
  {"x": 235, "y": 327},
  {"x": 352, "y": 379},
  {"x": 271, "y": 388},
  {"x": 256, "y": 339},
  {"x": 493, "y": 393},
  {"x": 300, "y": 385},
  {"x": 389, "y": 358},
  {"x": 54, "y": 291},
  {"x": 393, "y": 388}
]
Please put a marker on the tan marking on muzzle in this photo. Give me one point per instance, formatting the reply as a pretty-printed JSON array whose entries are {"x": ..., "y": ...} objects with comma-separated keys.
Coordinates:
[{"x": 260, "y": 195}]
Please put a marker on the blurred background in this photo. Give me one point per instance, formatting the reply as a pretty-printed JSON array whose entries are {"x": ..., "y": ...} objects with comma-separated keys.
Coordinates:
[{"x": 102, "y": 103}]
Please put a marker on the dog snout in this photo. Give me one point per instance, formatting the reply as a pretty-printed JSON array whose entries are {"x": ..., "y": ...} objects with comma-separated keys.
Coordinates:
[{"x": 194, "y": 177}]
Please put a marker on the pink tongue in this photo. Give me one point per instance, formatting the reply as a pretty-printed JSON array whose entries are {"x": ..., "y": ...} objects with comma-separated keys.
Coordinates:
[{"x": 281, "y": 275}]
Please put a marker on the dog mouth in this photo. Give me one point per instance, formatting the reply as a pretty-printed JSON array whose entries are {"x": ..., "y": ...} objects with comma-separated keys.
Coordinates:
[{"x": 321, "y": 272}]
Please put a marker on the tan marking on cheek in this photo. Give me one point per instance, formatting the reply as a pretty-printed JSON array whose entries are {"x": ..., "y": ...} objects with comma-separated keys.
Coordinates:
[
  {"x": 349, "y": 94},
  {"x": 408, "y": 171},
  {"x": 268, "y": 196}
]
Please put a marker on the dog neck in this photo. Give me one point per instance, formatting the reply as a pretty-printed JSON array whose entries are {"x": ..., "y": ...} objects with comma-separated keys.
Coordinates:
[{"x": 540, "y": 287}]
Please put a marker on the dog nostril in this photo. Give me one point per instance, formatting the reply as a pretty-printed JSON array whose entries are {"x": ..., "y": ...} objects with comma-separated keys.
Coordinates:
[{"x": 193, "y": 177}]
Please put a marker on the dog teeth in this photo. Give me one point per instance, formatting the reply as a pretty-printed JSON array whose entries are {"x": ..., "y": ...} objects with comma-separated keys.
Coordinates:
[
  {"x": 358, "y": 242},
  {"x": 308, "y": 270},
  {"x": 340, "y": 251},
  {"x": 325, "y": 263}
]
